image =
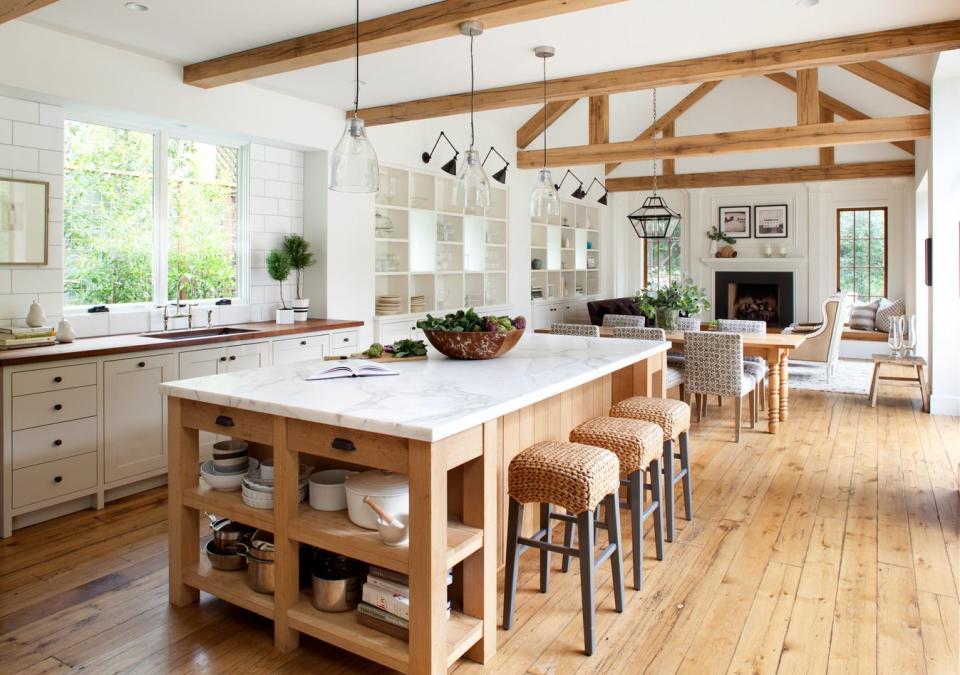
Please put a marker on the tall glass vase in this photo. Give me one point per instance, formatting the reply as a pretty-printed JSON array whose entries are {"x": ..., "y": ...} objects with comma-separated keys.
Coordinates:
[
  {"x": 895, "y": 336},
  {"x": 667, "y": 318},
  {"x": 909, "y": 334}
]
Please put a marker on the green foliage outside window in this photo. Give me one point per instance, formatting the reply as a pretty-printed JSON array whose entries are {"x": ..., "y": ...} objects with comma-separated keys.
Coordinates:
[{"x": 664, "y": 260}]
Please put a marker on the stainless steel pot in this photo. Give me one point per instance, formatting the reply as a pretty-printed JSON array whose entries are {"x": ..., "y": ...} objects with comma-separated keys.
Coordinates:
[
  {"x": 229, "y": 562},
  {"x": 259, "y": 555},
  {"x": 336, "y": 595},
  {"x": 227, "y": 534}
]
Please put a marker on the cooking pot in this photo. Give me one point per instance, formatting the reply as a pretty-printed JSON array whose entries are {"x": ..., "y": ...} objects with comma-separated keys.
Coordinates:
[
  {"x": 227, "y": 534},
  {"x": 337, "y": 582},
  {"x": 390, "y": 490},
  {"x": 259, "y": 555},
  {"x": 228, "y": 562}
]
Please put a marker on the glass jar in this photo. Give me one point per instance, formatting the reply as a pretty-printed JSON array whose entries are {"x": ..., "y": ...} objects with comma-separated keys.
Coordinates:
[{"x": 895, "y": 336}]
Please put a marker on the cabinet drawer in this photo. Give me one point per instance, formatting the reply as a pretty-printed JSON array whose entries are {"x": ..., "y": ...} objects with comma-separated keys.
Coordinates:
[
  {"x": 53, "y": 479},
  {"x": 53, "y": 379},
  {"x": 344, "y": 339},
  {"x": 300, "y": 349},
  {"x": 35, "y": 410},
  {"x": 54, "y": 441},
  {"x": 348, "y": 445}
]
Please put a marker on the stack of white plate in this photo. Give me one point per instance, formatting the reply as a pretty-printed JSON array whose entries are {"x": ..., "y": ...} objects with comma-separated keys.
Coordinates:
[
  {"x": 257, "y": 492},
  {"x": 389, "y": 304},
  {"x": 418, "y": 303}
]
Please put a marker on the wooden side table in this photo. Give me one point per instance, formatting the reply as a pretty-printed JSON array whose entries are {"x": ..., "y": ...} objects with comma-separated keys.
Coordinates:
[{"x": 917, "y": 362}]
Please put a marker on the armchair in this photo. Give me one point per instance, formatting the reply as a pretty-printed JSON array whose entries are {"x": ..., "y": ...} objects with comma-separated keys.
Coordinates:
[{"x": 823, "y": 341}]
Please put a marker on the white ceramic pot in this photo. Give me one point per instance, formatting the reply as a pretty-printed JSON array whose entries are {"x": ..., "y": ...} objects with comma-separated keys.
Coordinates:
[
  {"x": 285, "y": 316},
  {"x": 65, "y": 332},
  {"x": 301, "y": 308},
  {"x": 327, "y": 491},
  {"x": 390, "y": 490}
]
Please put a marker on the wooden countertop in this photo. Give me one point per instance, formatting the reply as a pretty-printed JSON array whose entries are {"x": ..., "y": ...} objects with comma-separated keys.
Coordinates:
[{"x": 135, "y": 342}]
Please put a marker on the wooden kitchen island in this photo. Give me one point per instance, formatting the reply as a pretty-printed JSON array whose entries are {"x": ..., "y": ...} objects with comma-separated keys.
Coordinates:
[{"x": 451, "y": 426}]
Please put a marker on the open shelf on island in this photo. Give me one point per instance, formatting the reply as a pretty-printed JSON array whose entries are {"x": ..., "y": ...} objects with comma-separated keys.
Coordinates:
[
  {"x": 333, "y": 531},
  {"x": 343, "y": 630},
  {"x": 227, "y": 505},
  {"x": 229, "y": 586}
]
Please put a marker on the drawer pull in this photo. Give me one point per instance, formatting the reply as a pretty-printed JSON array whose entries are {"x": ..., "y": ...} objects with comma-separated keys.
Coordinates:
[
  {"x": 58, "y": 379},
  {"x": 343, "y": 444},
  {"x": 233, "y": 358},
  {"x": 58, "y": 442},
  {"x": 346, "y": 339},
  {"x": 141, "y": 364},
  {"x": 58, "y": 479},
  {"x": 224, "y": 421},
  {"x": 58, "y": 407},
  {"x": 223, "y": 358},
  {"x": 303, "y": 343}
]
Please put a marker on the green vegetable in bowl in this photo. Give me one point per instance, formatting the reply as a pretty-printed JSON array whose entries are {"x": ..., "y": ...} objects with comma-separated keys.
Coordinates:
[{"x": 470, "y": 322}]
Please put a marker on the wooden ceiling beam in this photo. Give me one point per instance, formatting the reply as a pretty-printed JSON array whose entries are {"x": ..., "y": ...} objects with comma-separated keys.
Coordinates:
[
  {"x": 808, "y": 96},
  {"x": 669, "y": 165},
  {"x": 827, "y": 153},
  {"x": 907, "y": 41},
  {"x": 797, "y": 174},
  {"x": 14, "y": 9},
  {"x": 754, "y": 140},
  {"x": 420, "y": 24},
  {"x": 669, "y": 117},
  {"x": 892, "y": 80},
  {"x": 598, "y": 119},
  {"x": 835, "y": 106},
  {"x": 533, "y": 127}
]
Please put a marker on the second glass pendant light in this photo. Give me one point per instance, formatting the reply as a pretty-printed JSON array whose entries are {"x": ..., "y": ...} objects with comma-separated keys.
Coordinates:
[{"x": 544, "y": 200}]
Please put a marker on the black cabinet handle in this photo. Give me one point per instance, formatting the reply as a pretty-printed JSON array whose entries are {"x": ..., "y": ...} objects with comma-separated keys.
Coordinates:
[
  {"x": 141, "y": 364},
  {"x": 303, "y": 343},
  {"x": 58, "y": 407},
  {"x": 58, "y": 379},
  {"x": 223, "y": 421},
  {"x": 58, "y": 442},
  {"x": 346, "y": 339},
  {"x": 223, "y": 358},
  {"x": 233, "y": 358},
  {"x": 58, "y": 479},
  {"x": 343, "y": 444}
]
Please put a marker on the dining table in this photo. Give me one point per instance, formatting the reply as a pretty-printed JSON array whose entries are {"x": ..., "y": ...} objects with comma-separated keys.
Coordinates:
[{"x": 774, "y": 348}]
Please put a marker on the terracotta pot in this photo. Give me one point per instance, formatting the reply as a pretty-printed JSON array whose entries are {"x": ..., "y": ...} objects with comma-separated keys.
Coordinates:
[{"x": 472, "y": 346}]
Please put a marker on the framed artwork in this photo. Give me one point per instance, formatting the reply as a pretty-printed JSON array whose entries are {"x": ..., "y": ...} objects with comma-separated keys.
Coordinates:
[
  {"x": 770, "y": 221},
  {"x": 735, "y": 221},
  {"x": 23, "y": 221}
]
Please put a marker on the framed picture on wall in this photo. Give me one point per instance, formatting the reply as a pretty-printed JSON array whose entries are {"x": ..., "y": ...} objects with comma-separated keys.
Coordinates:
[
  {"x": 735, "y": 221},
  {"x": 770, "y": 221}
]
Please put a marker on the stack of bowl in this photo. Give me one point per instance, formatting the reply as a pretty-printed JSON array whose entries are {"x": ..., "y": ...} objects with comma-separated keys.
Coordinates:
[
  {"x": 231, "y": 456},
  {"x": 257, "y": 485}
]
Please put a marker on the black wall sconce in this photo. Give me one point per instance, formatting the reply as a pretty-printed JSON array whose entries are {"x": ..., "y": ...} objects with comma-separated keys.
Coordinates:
[
  {"x": 449, "y": 167},
  {"x": 501, "y": 175},
  {"x": 603, "y": 199},
  {"x": 576, "y": 194}
]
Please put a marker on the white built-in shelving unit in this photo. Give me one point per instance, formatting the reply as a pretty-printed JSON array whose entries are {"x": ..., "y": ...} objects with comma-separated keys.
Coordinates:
[{"x": 568, "y": 250}]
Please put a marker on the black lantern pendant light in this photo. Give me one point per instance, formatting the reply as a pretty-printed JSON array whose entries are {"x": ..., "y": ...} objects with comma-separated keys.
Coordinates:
[{"x": 654, "y": 220}]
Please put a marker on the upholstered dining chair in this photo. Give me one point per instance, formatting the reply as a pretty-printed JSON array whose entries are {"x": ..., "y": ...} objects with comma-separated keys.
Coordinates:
[
  {"x": 576, "y": 329},
  {"x": 755, "y": 365},
  {"x": 674, "y": 371},
  {"x": 822, "y": 343},
  {"x": 620, "y": 320},
  {"x": 688, "y": 324},
  {"x": 715, "y": 367}
]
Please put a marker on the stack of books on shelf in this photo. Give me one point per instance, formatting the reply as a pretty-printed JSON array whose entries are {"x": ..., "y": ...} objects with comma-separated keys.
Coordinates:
[
  {"x": 27, "y": 336},
  {"x": 386, "y": 602}
]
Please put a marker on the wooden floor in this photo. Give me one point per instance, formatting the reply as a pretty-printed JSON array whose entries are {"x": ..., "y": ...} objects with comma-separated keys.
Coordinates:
[{"x": 833, "y": 546}]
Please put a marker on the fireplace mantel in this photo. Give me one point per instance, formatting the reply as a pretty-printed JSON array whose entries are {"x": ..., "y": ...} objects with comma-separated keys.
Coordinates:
[{"x": 753, "y": 264}]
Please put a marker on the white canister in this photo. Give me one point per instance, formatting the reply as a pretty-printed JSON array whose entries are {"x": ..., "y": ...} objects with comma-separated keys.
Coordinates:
[
  {"x": 327, "y": 491},
  {"x": 390, "y": 490}
]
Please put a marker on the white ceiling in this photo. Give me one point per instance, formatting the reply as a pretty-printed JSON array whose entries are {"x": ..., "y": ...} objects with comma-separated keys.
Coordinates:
[{"x": 632, "y": 33}]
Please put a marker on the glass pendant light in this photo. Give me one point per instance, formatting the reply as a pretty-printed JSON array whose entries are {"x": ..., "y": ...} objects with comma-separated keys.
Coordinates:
[
  {"x": 544, "y": 200},
  {"x": 472, "y": 189},
  {"x": 654, "y": 220},
  {"x": 354, "y": 166}
]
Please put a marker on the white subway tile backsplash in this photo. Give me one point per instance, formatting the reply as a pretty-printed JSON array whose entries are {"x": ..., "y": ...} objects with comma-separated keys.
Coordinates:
[
  {"x": 6, "y": 132},
  {"x": 51, "y": 161},
  {"x": 296, "y": 158},
  {"x": 41, "y": 280},
  {"x": 52, "y": 304},
  {"x": 233, "y": 314},
  {"x": 17, "y": 158},
  {"x": 256, "y": 187},
  {"x": 128, "y": 322},
  {"x": 5, "y": 276},
  {"x": 256, "y": 152},
  {"x": 275, "y": 188},
  {"x": 264, "y": 241},
  {"x": 266, "y": 170},
  {"x": 51, "y": 115},
  {"x": 277, "y": 224},
  {"x": 278, "y": 155},
  {"x": 15, "y": 306},
  {"x": 90, "y": 325},
  {"x": 291, "y": 174},
  {"x": 55, "y": 180},
  {"x": 289, "y": 207},
  {"x": 263, "y": 205},
  {"x": 37, "y": 136},
  {"x": 16, "y": 109}
]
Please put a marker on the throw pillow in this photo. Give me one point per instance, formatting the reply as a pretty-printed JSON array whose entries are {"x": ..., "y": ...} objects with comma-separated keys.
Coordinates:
[
  {"x": 864, "y": 317},
  {"x": 888, "y": 310}
]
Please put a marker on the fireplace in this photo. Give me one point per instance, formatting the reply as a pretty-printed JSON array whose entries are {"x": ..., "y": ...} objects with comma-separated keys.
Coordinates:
[{"x": 755, "y": 296}]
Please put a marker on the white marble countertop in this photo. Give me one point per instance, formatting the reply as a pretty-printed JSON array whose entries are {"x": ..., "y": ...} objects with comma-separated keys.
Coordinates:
[{"x": 429, "y": 400}]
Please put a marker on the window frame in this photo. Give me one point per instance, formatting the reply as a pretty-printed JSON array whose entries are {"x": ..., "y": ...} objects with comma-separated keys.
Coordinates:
[
  {"x": 678, "y": 239},
  {"x": 161, "y": 227},
  {"x": 868, "y": 266}
]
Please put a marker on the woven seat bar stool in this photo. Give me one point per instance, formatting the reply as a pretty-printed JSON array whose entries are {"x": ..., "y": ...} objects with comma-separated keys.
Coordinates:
[
  {"x": 673, "y": 417},
  {"x": 577, "y": 478},
  {"x": 639, "y": 447}
]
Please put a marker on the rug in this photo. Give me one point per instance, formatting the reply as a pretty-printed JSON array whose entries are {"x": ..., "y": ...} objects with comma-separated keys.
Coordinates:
[{"x": 850, "y": 376}]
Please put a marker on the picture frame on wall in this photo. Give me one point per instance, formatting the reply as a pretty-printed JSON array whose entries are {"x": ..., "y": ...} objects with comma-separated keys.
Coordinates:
[
  {"x": 770, "y": 221},
  {"x": 734, "y": 221}
]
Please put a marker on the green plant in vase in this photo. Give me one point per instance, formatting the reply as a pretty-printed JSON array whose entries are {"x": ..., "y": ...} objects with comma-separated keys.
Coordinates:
[
  {"x": 716, "y": 235},
  {"x": 666, "y": 303},
  {"x": 278, "y": 267},
  {"x": 298, "y": 251}
]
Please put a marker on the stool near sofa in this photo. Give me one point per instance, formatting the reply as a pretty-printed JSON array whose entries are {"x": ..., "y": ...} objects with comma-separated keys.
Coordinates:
[{"x": 577, "y": 478}]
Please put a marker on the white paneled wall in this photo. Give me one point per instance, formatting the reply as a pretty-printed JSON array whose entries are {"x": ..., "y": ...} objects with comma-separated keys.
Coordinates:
[{"x": 31, "y": 147}]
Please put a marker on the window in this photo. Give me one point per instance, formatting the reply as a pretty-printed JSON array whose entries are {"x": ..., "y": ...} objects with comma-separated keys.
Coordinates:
[
  {"x": 663, "y": 260},
  {"x": 862, "y": 252},
  {"x": 137, "y": 218}
]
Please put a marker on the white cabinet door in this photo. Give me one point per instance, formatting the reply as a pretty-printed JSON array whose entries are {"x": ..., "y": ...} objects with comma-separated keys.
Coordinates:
[
  {"x": 134, "y": 415},
  {"x": 575, "y": 311},
  {"x": 297, "y": 349},
  {"x": 545, "y": 315},
  {"x": 244, "y": 357}
]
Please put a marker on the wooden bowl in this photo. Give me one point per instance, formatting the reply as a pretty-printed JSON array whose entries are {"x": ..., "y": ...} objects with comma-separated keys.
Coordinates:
[{"x": 479, "y": 345}]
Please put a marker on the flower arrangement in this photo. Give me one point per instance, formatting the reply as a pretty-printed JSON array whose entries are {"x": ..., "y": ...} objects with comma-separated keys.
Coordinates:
[{"x": 666, "y": 303}]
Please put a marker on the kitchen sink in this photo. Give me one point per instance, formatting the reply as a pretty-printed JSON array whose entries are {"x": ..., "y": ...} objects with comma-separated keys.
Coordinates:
[{"x": 197, "y": 333}]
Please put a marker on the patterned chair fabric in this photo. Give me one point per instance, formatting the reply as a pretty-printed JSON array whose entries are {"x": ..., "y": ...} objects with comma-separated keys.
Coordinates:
[
  {"x": 571, "y": 475},
  {"x": 639, "y": 333},
  {"x": 715, "y": 364},
  {"x": 636, "y": 443},
  {"x": 754, "y": 365},
  {"x": 672, "y": 416},
  {"x": 576, "y": 329},
  {"x": 675, "y": 376},
  {"x": 688, "y": 324},
  {"x": 619, "y": 320}
]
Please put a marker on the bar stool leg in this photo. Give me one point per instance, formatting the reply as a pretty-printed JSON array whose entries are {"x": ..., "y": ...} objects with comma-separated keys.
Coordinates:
[
  {"x": 514, "y": 518},
  {"x": 656, "y": 494},
  {"x": 687, "y": 478},
  {"x": 568, "y": 543},
  {"x": 668, "y": 497},
  {"x": 585, "y": 527},
  {"x": 612, "y": 513},
  {"x": 635, "y": 499},
  {"x": 545, "y": 510}
]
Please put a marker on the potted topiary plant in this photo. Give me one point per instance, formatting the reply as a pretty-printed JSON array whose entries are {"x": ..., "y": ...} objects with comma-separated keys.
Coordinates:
[
  {"x": 298, "y": 251},
  {"x": 716, "y": 235},
  {"x": 278, "y": 267}
]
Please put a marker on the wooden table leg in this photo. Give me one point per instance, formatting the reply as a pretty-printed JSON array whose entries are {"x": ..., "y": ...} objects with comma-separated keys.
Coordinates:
[
  {"x": 183, "y": 473},
  {"x": 773, "y": 400},
  {"x": 784, "y": 388},
  {"x": 286, "y": 507},
  {"x": 428, "y": 552},
  {"x": 480, "y": 569},
  {"x": 924, "y": 391},
  {"x": 874, "y": 384}
]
